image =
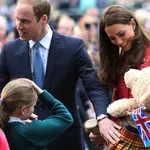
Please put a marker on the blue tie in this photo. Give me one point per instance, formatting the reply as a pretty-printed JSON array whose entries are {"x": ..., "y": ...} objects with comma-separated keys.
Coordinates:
[{"x": 38, "y": 69}]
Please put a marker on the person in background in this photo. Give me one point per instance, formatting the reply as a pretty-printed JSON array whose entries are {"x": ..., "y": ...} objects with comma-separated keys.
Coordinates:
[
  {"x": 12, "y": 34},
  {"x": 63, "y": 60},
  {"x": 65, "y": 25},
  {"x": 3, "y": 141},
  {"x": 85, "y": 24},
  {"x": 124, "y": 43},
  {"x": 142, "y": 16},
  {"x": 18, "y": 99},
  {"x": 3, "y": 30}
]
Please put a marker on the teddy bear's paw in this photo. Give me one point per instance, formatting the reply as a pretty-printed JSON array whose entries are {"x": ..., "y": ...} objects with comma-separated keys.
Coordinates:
[
  {"x": 116, "y": 112},
  {"x": 115, "y": 109},
  {"x": 121, "y": 107}
]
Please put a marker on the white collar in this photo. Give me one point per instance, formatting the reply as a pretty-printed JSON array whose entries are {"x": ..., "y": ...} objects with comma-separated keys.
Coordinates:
[
  {"x": 15, "y": 119},
  {"x": 43, "y": 42}
]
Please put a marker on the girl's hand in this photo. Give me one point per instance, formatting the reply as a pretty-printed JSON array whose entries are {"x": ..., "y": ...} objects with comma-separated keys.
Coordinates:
[
  {"x": 33, "y": 117},
  {"x": 36, "y": 88},
  {"x": 27, "y": 121}
]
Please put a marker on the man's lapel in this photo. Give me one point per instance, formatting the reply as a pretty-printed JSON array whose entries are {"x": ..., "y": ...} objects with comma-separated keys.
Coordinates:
[
  {"x": 24, "y": 60},
  {"x": 52, "y": 60}
]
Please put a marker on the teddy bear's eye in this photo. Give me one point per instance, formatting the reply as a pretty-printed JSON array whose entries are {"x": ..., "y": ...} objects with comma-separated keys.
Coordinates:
[{"x": 135, "y": 80}]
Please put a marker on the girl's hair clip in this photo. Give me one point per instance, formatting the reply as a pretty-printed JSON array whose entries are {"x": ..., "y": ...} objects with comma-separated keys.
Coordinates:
[{"x": 1, "y": 100}]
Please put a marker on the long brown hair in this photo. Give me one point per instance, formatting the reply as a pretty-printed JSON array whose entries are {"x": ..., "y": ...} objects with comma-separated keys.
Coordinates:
[
  {"x": 110, "y": 58},
  {"x": 15, "y": 94}
]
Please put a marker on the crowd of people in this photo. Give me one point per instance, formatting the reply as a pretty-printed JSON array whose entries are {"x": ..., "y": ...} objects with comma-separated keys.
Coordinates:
[{"x": 83, "y": 59}]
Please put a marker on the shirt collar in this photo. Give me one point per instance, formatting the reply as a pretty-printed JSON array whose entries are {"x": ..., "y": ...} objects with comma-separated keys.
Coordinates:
[
  {"x": 43, "y": 42},
  {"x": 15, "y": 119}
]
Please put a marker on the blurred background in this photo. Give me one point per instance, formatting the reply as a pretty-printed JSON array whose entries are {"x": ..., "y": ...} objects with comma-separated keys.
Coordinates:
[{"x": 78, "y": 18}]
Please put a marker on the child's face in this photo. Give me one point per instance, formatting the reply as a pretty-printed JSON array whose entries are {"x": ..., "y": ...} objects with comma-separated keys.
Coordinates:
[{"x": 28, "y": 110}]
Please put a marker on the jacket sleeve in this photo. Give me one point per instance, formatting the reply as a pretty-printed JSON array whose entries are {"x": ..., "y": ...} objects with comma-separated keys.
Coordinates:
[
  {"x": 43, "y": 132},
  {"x": 98, "y": 94},
  {"x": 4, "y": 75}
]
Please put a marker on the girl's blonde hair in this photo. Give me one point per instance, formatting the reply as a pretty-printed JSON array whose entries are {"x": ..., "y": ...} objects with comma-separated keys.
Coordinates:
[{"x": 16, "y": 93}]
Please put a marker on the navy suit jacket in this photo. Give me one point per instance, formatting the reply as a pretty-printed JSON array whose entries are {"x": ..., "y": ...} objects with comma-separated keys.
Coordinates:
[{"x": 67, "y": 61}]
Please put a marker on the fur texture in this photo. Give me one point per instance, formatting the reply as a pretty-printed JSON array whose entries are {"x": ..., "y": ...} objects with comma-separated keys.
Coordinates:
[{"x": 139, "y": 82}]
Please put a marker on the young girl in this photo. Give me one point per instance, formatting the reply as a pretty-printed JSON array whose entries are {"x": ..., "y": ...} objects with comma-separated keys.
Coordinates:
[{"x": 18, "y": 99}]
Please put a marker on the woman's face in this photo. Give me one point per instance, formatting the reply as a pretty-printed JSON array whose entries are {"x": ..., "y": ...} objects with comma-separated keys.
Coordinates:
[{"x": 121, "y": 35}]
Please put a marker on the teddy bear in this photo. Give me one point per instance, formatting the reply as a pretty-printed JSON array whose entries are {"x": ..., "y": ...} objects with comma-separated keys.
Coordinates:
[{"x": 139, "y": 83}]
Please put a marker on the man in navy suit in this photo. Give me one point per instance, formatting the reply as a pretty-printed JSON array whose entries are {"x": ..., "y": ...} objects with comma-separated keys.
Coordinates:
[{"x": 64, "y": 60}]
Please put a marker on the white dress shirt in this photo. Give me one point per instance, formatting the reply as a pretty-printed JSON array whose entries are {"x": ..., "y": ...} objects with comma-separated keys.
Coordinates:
[
  {"x": 15, "y": 119},
  {"x": 44, "y": 48}
]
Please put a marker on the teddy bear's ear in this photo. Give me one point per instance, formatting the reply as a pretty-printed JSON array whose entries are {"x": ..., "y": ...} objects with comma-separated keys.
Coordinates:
[{"x": 130, "y": 76}]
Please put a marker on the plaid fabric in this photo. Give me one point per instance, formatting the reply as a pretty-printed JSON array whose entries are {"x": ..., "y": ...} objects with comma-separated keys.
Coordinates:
[{"x": 128, "y": 141}]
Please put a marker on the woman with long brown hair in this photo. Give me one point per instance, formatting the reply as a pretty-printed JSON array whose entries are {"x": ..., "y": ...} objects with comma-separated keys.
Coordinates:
[{"x": 124, "y": 43}]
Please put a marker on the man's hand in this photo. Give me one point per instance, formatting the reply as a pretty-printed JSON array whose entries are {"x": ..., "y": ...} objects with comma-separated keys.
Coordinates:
[{"x": 109, "y": 130}]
